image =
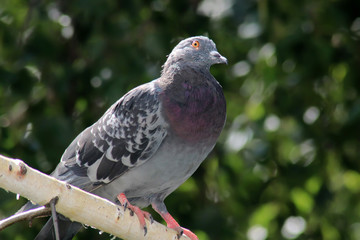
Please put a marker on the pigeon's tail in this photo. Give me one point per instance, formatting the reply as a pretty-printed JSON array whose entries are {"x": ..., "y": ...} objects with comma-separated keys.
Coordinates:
[{"x": 67, "y": 228}]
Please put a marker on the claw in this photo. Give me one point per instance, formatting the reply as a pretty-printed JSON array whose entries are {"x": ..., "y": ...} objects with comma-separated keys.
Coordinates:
[
  {"x": 171, "y": 222},
  {"x": 131, "y": 212},
  {"x": 125, "y": 205},
  {"x": 141, "y": 215},
  {"x": 148, "y": 217},
  {"x": 183, "y": 231},
  {"x": 180, "y": 232},
  {"x": 190, "y": 234}
]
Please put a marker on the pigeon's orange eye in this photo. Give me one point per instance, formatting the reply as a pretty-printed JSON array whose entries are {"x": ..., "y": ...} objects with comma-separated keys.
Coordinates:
[{"x": 195, "y": 44}]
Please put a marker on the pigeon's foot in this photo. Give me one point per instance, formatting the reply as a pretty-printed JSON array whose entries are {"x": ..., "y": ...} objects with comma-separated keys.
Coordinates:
[
  {"x": 189, "y": 233},
  {"x": 171, "y": 223},
  {"x": 141, "y": 215}
]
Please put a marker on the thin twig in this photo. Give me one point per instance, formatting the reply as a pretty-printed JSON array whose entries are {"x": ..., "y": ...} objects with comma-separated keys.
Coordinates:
[
  {"x": 55, "y": 218},
  {"x": 42, "y": 211}
]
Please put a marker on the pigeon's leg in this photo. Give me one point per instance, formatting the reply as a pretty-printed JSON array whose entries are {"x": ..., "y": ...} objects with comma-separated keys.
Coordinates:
[
  {"x": 160, "y": 208},
  {"x": 141, "y": 215}
]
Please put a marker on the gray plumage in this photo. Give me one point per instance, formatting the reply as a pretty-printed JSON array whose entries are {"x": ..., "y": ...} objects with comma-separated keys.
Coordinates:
[{"x": 153, "y": 138}]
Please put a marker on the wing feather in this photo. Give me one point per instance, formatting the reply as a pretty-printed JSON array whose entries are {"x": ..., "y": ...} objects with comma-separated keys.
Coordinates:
[{"x": 126, "y": 136}]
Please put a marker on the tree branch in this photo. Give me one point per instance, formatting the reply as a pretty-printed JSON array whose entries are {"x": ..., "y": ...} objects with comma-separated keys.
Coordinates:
[
  {"x": 42, "y": 211},
  {"x": 76, "y": 204}
]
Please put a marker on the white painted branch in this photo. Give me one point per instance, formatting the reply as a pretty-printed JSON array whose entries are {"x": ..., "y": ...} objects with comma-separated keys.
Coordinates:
[{"x": 76, "y": 204}]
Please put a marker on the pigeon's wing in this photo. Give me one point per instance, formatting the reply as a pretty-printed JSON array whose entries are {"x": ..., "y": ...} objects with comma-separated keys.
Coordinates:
[{"x": 126, "y": 136}]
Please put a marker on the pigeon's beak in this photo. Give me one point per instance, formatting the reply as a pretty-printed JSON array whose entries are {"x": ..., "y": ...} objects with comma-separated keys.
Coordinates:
[{"x": 218, "y": 59}]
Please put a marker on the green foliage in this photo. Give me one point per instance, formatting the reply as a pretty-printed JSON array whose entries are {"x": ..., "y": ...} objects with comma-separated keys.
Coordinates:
[{"x": 287, "y": 164}]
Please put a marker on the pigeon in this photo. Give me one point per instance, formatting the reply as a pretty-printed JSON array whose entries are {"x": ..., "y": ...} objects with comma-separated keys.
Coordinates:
[{"x": 151, "y": 140}]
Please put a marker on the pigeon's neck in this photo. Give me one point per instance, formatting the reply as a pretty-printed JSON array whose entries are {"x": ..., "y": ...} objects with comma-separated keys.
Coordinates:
[
  {"x": 194, "y": 105},
  {"x": 177, "y": 65}
]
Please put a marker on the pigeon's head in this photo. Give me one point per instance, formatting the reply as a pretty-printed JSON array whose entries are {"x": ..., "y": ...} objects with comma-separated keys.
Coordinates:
[{"x": 197, "y": 52}]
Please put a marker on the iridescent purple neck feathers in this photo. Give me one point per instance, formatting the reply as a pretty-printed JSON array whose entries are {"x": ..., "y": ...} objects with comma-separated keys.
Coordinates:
[
  {"x": 192, "y": 99},
  {"x": 194, "y": 105}
]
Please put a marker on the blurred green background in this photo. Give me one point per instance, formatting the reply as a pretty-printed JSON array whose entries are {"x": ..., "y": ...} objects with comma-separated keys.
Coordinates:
[{"x": 287, "y": 163}]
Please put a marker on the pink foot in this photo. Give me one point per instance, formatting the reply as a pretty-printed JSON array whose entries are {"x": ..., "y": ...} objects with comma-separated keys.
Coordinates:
[
  {"x": 190, "y": 234},
  {"x": 171, "y": 223},
  {"x": 141, "y": 215}
]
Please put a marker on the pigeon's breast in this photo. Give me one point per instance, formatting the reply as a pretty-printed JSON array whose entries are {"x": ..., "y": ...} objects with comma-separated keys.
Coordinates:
[{"x": 196, "y": 114}]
